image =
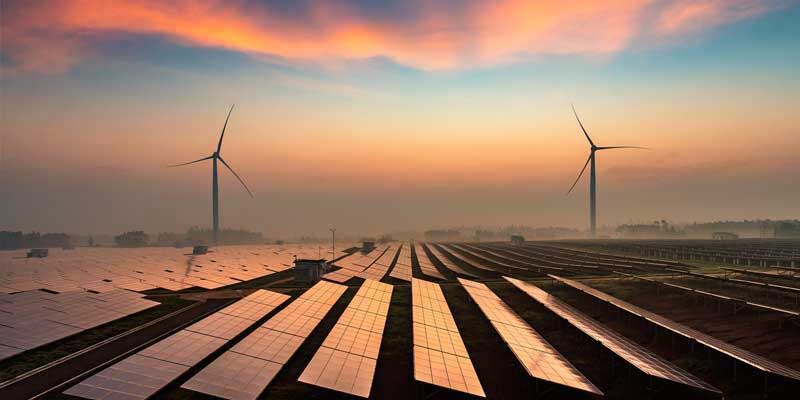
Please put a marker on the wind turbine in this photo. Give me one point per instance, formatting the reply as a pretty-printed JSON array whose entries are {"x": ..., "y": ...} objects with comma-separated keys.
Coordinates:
[
  {"x": 592, "y": 173},
  {"x": 214, "y": 180}
]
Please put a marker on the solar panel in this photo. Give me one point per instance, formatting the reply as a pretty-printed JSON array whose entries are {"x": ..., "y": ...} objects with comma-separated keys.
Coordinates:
[
  {"x": 380, "y": 267},
  {"x": 135, "y": 377},
  {"x": 537, "y": 356},
  {"x": 738, "y": 353},
  {"x": 234, "y": 376},
  {"x": 465, "y": 260},
  {"x": 31, "y": 319},
  {"x": 141, "y": 375},
  {"x": 449, "y": 264},
  {"x": 268, "y": 348},
  {"x": 641, "y": 358},
  {"x": 340, "y": 371},
  {"x": 440, "y": 357},
  {"x": 402, "y": 268},
  {"x": 346, "y": 360},
  {"x": 104, "y": 269},
  {"x": 425, "y": 264},
  {"x": 790, "y": 313},
  {"x": 503, "y": 265}
]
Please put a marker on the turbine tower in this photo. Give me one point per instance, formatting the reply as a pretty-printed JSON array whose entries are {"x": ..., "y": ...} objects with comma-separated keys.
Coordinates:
[
  {"x": 592, "y": 174},
  {"x": 214, "y": 180}
]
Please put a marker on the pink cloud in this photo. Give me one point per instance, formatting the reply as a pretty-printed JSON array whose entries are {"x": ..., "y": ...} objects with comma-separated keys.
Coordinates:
[
  {"x": 54, "y": 35},
  {"x": 682, "y": 16}
]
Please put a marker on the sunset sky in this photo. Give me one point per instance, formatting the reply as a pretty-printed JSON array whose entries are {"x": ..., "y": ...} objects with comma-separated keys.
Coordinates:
[{"x": 376, "y": 116}]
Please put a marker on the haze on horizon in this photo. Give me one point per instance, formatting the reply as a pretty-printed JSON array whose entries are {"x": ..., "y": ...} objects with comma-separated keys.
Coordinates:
[{"x": 396, "y": 115}]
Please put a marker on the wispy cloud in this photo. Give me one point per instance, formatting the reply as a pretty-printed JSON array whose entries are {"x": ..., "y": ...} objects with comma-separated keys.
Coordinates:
[{"x": 55, "y": 35}]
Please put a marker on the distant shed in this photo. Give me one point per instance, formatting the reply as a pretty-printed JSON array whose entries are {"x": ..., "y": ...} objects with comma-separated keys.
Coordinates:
[
  {"x": 38, "y": 253},
  {"x": 309, "y": 271},
  {"x": 517, "y": 239},
  {"x": 724, "y": 236}
]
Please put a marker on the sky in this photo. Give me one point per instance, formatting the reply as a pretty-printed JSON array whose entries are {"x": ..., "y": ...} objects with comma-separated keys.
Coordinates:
[{"x": 376, "y": 116}]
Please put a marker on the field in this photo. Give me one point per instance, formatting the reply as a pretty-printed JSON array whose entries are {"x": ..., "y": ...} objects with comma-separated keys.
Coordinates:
[{"x": 743, "y": 310}]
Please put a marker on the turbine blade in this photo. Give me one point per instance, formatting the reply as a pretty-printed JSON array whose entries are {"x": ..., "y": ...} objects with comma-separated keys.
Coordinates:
[
  {"x": 581, "y": 124},
  {"x": 191, "y": 162},
  {"x": 581, "y": 174},
  {"x": 237, "y": 177},
  {"x": 622, "y": 147},
  {"x": 219, "y": 145}
]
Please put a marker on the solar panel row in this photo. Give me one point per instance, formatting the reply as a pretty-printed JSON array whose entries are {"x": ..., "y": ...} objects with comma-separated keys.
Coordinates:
[
  {"x": 536, "y": 355},
  {"x": 346, "y": 361},
  {"x": 379, "y": 268},
  {"x": 244, "y": 371},
  {"x": 440, "y": 357},
  {"x": 738, "y": 353},
  {"x": 35, "y": 318},
  {"x": 353, "y": 265},
  {"x": 641, "y": 358},
  {"x": 143, "y": 374},
  {"x": 449, "y": 264},
  {"x": 402, "y": 267},
  {"x": 472, "y": 263},
  {"x": 504, "y": 263},
  {"x": 729, "y": 299},
  {"x": 425, "y": 264},
  {"x": 104, "y": 269}
]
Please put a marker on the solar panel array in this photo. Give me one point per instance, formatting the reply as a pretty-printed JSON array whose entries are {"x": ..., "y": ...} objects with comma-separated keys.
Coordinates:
[
  {"x": 472, "y": 263},
  {"x": 35, "y": 318},
  {"x": 104, "y": 269},
  {"x": 638, "y": 356},
  {"x": 141, "y": 375},
  {"x": 449, "y": 264},
  {"x": 539, "y": 358},
  {"x": 402, "y": 267},
  {"x": 506, "y": 265},
  {"x": 353, "y": 265},
  {"x": 440, "y": 357},
  {"x": 733, "y": 300},
  {"x": 509, "y": 255},
  {"x": 244, "y": 371},
  {"x": 381, "y": 266},
  {"x": 346, "y": 361},
  {"x": 425, "y": 263},
  {"x": 745, "y": 356},
  {"x": 761, "y": 252}
]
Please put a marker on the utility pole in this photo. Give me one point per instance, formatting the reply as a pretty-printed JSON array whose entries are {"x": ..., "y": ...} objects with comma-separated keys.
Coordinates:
[{"x": 333, "y": 243}]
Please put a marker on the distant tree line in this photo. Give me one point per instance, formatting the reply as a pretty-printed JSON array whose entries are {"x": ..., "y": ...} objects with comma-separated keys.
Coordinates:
[
  {"x": 10, "y": 240},
  {"x": 657, "y": 229},
  {"x": 132, "y": 239},
  {"x": 196, "y": 235},
  {"x": 788, "y": 230},
  {"x": 753, "y": 228}
]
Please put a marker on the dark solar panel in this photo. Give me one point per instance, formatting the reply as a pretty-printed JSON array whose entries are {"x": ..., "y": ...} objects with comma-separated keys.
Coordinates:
[
  {"x": 745, "y": 356},
  {"x": 537, "y": 356},
  {"x": 641, "y": 358}
]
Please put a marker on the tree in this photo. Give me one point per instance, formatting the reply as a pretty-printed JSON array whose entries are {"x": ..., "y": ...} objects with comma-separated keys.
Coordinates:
[{"x": 131, "y": 239}]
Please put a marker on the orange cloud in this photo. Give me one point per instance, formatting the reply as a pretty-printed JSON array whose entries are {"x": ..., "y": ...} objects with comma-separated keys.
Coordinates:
[{"x": 54, "y": 35}]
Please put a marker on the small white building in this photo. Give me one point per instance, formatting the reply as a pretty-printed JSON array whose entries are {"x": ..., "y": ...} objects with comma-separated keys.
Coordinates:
[{"x": 309, "y": 271}]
